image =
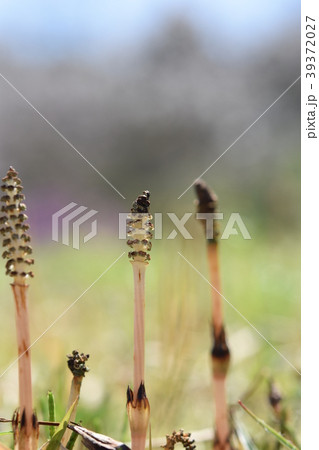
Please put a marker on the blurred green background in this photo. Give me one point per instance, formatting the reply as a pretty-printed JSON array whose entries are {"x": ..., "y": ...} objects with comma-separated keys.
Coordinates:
[{"x": 151, "y": 95}]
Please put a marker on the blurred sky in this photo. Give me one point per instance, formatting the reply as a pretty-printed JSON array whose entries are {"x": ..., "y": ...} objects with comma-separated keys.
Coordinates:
[{"x": 55, "y": 29}]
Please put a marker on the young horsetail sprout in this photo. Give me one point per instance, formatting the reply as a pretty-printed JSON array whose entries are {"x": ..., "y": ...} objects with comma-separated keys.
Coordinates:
[
  {"x": 207, "y": 204},
  {"x": 139, "y": 234},
  {"x": 76, "y": 363},
  {"x": 179, "y": 437},
  {"x": 16, "y": 241}
]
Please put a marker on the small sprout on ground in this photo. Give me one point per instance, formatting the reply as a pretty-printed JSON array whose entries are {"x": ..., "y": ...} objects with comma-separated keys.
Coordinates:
[{"x": 179, "y": 437}]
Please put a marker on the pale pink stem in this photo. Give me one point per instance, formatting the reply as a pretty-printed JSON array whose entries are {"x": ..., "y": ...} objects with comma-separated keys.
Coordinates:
[
  {"x": 138, "y": 441},
  {"x": 139, "y": 328},
  {"x": 24, "y": 362},
  {"x": 221, "y": 419},
  {"x": 74, "y": 396},
  {"x": 217, "y": 305},
  {"x": 219, "y": 379}
]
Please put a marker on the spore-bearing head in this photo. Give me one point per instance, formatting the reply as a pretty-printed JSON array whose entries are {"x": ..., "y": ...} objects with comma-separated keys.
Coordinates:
[
  {"x": 140, "y": 229},
  {"x": 207, "y": 200},
  {"x": 16, "y": 240},
  {"x": 142, "y": 203},
  {"x": 179, "y": 437},
  {"x": 207, "y": 203},
  {"x": 76, "y": 363}
]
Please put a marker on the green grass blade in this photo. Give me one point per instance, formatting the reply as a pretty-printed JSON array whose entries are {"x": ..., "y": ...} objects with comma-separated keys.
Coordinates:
[
  {"x": 72, "y": 440},
  {"x": 266, "y": 427},
  {"x": 2, "y": 433},
  {"x": 51, "y": 406},
  {"x": 54, "y": 443}
]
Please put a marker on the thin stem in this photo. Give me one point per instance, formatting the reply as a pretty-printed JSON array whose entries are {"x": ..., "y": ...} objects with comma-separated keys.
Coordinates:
[
  {"x": 278, "y": 436},
  {"x": 23, "y": 338},
  {"x": 220, "y": 353},
  {"x": 139, "y": 326},
  {"x": 40, "y": 422},
  {"x": 221, "y": 420},
  {"x": 74, "y": 396},
  {"x": 207, "y": 205},
  {"x": 138, "y": 405},
  {"x": 217, "y": 305}
]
